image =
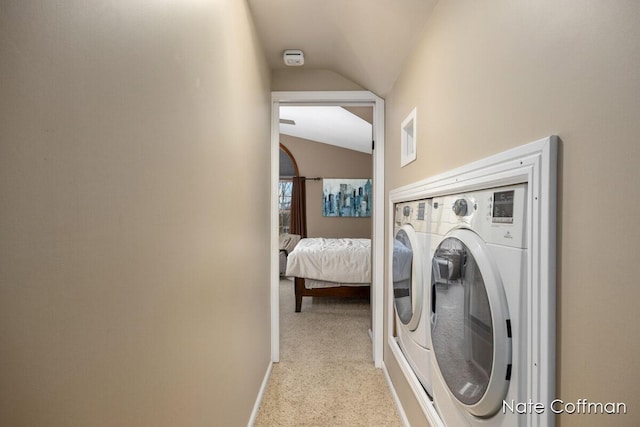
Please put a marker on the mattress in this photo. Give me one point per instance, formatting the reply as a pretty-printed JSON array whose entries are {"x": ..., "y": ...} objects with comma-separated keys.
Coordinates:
[{"x": 344, "y": 261}]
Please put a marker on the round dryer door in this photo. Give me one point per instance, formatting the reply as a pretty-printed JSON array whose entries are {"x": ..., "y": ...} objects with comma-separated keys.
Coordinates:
[
  {"x": 470, "y": 329},
  {"x": 407, "y": 276}
]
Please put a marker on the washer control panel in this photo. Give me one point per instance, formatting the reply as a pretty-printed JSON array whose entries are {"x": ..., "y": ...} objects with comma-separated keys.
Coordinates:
[
  {"x": 497, "y": 214},
  {"x": 460, "y": 207},
  {"x": 502, "y": 208}
]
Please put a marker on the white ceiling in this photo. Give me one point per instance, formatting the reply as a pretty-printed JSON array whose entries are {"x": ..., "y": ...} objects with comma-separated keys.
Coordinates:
[
  {"x": 366, "y": 41},
  {"x": 330, "y": 125}
]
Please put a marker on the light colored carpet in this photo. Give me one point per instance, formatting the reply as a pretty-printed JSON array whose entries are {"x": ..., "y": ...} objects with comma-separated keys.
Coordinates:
[{"x": 326, "y": 375}]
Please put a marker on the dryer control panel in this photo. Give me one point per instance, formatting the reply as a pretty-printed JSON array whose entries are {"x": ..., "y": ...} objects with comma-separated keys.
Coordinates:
[{"x": 417, "y": 213}]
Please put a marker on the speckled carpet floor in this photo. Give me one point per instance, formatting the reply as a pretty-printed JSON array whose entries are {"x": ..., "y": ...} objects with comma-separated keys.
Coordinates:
[{"x": 326, "y": 375}]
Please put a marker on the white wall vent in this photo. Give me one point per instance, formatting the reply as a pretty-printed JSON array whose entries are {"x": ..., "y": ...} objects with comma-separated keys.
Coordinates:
[{"x": 408, "y": 139}]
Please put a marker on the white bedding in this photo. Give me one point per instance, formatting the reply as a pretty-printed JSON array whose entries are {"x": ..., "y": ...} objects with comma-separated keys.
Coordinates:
[{"x": 346, "y": 261}]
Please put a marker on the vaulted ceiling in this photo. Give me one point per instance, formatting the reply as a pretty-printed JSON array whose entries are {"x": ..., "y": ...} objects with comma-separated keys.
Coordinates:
[
  {"x": 366, "y": 41},
  {"x": 327, "y": 124}
]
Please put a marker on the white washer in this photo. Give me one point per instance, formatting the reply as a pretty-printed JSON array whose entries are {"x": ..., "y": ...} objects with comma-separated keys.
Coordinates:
[
  {"x": 410, "y": 267},
  {"x": 479, "y": 328}
]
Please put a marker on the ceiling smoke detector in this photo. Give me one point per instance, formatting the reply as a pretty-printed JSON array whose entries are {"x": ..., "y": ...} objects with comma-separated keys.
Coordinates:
[{"x": 293, "y": 57}]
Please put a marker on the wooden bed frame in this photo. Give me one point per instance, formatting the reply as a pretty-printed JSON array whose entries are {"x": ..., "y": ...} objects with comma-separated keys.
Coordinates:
[{"x": 338, "y": 291}]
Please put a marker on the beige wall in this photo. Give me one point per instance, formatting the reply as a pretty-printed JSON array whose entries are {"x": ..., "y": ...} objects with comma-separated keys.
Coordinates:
[
  {"x": 295, "y": 79},
  {"x": 125, "y": 297},
  {"x": 315, "y": 159},
  {"x": 488, "y": 76}
]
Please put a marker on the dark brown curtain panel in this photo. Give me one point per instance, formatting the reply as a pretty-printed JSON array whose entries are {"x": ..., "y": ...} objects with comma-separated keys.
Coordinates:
[{"x": 299, "y": 207}]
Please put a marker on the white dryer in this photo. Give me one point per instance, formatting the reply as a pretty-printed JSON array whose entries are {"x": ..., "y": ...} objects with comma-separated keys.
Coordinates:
[
  {"x": 411, "y": 288},
  {"x": 478, "y": 325}
]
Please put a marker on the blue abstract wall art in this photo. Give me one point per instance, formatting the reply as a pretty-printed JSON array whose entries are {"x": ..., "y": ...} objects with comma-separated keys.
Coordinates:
[{"x": 346, "y": 197}]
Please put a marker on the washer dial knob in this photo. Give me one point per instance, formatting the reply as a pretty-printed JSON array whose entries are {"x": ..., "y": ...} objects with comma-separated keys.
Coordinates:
[{"x": 460, "y": 207}]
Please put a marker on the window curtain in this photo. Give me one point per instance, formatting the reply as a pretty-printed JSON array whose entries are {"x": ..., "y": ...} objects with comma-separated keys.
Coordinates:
[{"x": 299, "y": 207}]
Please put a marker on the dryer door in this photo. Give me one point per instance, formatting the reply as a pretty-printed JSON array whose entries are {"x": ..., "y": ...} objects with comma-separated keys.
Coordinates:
[
  {"x": 407, "y": 276},
  {"x": 470, "y": 330}
]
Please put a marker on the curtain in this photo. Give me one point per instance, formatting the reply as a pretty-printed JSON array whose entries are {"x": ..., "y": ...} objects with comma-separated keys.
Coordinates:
[{"x": 299, "y": 207}]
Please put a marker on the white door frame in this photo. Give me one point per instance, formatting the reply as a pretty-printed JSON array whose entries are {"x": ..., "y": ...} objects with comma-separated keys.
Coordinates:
[{"x": 346, "y": 98}]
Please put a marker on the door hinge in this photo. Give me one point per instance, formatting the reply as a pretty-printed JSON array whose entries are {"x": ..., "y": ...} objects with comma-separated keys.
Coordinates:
[{"x": 373, "y": 145}]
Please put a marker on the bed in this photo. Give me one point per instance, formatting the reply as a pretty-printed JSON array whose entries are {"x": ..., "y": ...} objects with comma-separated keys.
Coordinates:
[{"x": 324, "y": 267}]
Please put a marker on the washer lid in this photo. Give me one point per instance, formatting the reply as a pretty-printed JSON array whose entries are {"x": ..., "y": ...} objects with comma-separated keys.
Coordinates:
[
  {"x": 407, "y": 276},
  {"x": 470, "y": 326}
]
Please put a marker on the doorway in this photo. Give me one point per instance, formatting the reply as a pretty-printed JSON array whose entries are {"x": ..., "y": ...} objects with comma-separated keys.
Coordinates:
[{"x": 341, "y": 99}]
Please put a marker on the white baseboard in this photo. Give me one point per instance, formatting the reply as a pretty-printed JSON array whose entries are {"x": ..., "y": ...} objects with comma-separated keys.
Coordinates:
[
  {"x": 263, "y": 387},
  {"x": 396, "y": 398}
]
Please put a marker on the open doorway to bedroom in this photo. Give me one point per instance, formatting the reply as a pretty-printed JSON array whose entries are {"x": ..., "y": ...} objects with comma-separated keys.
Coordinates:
[{"x": 303, "y": 130}]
